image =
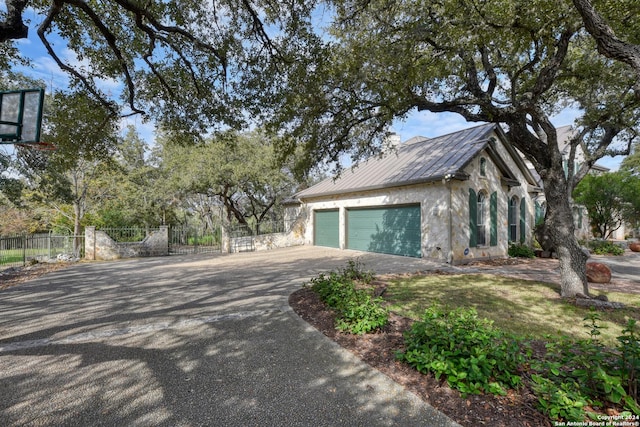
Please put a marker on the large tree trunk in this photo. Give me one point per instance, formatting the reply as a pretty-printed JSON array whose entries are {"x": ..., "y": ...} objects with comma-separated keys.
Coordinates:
[{"x": 558, "y": 231}]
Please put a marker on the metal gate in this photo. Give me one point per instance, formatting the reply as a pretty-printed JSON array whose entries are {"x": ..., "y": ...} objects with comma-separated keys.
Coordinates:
[{"x": 185, "y": 240}]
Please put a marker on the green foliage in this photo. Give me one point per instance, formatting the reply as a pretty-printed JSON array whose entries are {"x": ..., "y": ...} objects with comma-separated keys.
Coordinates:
[
  {"x": 629, "y": 360},
  {"x": 358, "y": 311},
  {"x": 559, "y": 401},
  {"x": 236, "y": 170},
  {"x": 474, "y": 357},
  {"x": 575, "y": 374},
  {"x": 605, "y": 247},
  {"x": 609, "y": 200},
  {"x": 520, "y": 250},
  {"x": 468, "y": 352}
]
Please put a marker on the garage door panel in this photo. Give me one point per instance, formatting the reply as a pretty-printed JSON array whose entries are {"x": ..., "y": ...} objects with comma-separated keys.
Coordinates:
[
  {"x": 391, "y": 230},
  {"x": 327, "y": 228}
]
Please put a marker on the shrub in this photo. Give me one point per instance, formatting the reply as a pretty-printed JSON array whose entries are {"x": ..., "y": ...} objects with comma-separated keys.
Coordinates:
[
  {"x": 605, "y": 247},
  {"x": 520, "y": 250},
  {"x": 575, "y": 374},
  {"x": 358, "y": 311},
  {"x": 471, "y": 355}
]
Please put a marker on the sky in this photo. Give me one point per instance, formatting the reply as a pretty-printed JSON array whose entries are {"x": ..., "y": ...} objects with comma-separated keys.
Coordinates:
[{"x": 425, "y": 124}]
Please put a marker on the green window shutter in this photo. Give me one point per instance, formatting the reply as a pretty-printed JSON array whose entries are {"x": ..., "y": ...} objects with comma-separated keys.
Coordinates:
[
  {"x": 580, "y": 218},
  {"x": 493, "y": 206},
  {"x": 539, "y": 216},
  {"x": 473, "y": 216},
  {"x": 523, "y": 222}
]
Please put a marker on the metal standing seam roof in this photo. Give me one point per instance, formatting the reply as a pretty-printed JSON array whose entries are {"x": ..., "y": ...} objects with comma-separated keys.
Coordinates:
[{"x": 418, "y": 160}]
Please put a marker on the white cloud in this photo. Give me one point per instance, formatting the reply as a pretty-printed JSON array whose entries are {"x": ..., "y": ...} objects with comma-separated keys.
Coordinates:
[{"x": 428, "y": 124}]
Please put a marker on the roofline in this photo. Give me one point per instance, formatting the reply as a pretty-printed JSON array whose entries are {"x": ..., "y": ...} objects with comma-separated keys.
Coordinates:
[
  {"x": 457, "y": 175},
  {"x": 516, "y": 157}
]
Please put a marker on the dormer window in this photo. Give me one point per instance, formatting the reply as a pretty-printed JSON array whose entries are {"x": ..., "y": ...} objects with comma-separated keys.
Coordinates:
[{"x": 483, "y": 166}]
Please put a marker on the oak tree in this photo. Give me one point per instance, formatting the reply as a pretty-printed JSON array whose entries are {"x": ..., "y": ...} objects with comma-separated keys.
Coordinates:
[{"x": 514, "y": 63}]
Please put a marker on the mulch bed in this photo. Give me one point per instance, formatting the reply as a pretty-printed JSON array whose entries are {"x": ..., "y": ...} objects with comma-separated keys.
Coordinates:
[{"x": 378, "y": 350}]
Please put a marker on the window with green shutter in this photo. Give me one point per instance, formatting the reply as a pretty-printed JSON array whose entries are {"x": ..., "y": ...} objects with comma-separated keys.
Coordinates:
[
  {"x": 473, "y": 216},
  {"x": 493, "y": 206},
  {"x": 523, "y": 221},
  {"x": 481, "y": 219},
  {"x": 514, "y": 218}
]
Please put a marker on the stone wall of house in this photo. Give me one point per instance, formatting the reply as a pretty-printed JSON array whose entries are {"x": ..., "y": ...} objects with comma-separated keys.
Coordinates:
[
  {"x": 99, "y": 246},
  {"x": 433, "y": 199}
]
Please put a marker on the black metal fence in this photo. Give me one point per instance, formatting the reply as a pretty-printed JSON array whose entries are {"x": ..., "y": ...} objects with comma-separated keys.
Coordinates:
[
  {"x": 267, "y": 227},
  {"x": 194, "y": 240},
  {"x": 20, "y": 250}
]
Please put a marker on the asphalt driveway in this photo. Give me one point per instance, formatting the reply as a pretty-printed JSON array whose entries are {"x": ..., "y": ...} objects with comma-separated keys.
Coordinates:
[{"x": 190, "y": 341}]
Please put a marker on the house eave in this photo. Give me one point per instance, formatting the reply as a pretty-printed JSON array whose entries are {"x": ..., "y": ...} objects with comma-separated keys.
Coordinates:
[{"x": 440, "y": 178}]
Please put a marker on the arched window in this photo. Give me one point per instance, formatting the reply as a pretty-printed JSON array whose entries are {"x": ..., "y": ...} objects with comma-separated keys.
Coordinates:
[
  {"x": 483, "y": 166},
  {"x": 513, "y": 219},
  {"x": 481, "y": 221}
]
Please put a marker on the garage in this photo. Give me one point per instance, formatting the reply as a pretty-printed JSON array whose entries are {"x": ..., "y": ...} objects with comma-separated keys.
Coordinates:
[
  {"x": 390, "y": 230},
  {"x": 326, "y": 228}
]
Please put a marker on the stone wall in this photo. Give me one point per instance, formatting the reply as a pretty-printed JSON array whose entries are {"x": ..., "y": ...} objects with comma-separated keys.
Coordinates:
[
  {"x": 99, "y": 246},
  {"x": 295, "y": 222}
]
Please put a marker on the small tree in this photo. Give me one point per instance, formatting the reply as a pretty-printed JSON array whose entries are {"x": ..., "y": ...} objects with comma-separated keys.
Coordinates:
[
  {"x": 604, "y": 197},
  {"x": 239, "y": 170}
]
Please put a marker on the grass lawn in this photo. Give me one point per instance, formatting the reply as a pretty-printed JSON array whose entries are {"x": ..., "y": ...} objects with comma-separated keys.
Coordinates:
[
  {"x": 11, "y": 256},
  {"x": 527, "y": 308}
]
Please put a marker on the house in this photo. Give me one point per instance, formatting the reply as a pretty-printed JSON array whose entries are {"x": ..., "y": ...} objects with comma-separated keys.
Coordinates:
[
  {"x": 453, "y": 198},
  {"x": 580, "y": 216}
]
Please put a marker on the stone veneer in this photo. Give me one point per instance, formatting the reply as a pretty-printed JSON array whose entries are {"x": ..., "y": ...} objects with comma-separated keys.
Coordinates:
[{"x": 99, "y": 246}]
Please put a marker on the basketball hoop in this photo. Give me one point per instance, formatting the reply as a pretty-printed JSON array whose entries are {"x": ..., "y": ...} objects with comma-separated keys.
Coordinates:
[{"x": 21, "y": 116}]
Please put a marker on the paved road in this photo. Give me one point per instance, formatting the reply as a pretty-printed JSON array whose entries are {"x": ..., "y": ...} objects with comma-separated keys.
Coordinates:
[
  {"x": 189, "y": 341},
  {"x": 625, "y": 267}
]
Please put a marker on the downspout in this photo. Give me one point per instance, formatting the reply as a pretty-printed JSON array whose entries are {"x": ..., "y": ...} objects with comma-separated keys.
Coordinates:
[{"x": 447, "y": 180}]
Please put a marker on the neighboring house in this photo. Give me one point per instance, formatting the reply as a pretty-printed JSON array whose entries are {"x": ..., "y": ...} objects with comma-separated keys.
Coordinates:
[
  {"x": 455, "y": 198},
  {"x": 580, "y": 215}
]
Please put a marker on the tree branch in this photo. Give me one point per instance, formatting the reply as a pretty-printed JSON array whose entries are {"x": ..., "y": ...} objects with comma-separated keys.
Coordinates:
[
  {"x": 608, "y": 43},
  {"x": 53, "y": 12},
  {"x": 13, "y": 26},
  {"x": 111, "y": 41}
]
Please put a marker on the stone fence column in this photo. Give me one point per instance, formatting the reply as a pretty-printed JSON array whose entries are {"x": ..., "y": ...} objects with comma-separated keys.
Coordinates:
[{"x": 90, "y": 243}]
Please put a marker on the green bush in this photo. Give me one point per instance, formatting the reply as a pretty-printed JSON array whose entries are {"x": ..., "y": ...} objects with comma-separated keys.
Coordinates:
[
  {"x": 358, "y": 311},
  {"x": 471, "y": 355},
  {"x": 474, "y": 357},
  {"x": 520, "y": 250},
  {"x": 575, "y": 374},
  {"x": 605, "y": 247}
]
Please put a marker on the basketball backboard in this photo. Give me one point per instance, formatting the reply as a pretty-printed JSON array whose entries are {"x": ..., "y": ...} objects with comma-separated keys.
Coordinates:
[{"x": 21, "y": 116}]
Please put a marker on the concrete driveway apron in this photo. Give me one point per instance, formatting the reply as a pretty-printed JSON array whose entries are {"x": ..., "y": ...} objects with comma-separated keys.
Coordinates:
[{"x": 190, "y": 341}]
